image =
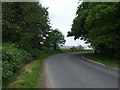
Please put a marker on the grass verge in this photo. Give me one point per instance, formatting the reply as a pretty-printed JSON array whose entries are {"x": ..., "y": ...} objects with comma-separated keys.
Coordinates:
[
  {"x": 104, "y": 60},
  {"x": 30, "y": 74}
]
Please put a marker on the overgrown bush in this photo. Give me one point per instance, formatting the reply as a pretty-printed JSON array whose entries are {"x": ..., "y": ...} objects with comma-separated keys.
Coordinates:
[{"x": 12, "y": 60}]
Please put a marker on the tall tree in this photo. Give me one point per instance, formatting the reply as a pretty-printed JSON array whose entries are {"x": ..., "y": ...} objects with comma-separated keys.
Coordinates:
[
  {"x": 55, "y": 39},
  {"x": 25, "y": 22}
]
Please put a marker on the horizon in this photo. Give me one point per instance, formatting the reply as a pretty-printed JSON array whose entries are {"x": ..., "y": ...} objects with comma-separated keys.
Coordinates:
[{"x": 61, "y": 15}]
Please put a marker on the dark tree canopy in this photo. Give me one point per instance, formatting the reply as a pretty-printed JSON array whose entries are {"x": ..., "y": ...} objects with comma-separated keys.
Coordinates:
[
  {"x": 26, "y": 23},
  {"x": 99, "y": 24}
]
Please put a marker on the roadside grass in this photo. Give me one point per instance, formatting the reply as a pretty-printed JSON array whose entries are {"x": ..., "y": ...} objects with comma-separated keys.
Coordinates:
[
  {"x": 0, "y": 47},
  {"x": 29, "y": 76},
  {"x": 101, "y": 59}
]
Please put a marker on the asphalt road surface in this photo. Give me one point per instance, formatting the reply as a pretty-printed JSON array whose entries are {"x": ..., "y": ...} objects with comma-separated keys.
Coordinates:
[{"x": 70, "y": 70}]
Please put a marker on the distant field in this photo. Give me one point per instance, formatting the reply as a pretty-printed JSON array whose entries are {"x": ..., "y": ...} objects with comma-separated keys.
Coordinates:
[{"x": 69, "y": 50}]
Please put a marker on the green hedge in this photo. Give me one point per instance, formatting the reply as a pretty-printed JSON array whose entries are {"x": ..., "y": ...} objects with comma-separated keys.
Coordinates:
[{"x": 12, "y": 61}]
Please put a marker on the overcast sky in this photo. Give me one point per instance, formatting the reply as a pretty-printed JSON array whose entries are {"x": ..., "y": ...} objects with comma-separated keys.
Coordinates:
[{"x": 62, "y": 13}]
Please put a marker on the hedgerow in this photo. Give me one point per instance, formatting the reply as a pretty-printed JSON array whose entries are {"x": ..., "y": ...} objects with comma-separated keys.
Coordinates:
[{"x": 13, "y": 60}]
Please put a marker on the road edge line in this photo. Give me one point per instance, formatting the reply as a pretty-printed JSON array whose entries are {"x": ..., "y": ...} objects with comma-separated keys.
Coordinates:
[{"x": 98, "y": 63}]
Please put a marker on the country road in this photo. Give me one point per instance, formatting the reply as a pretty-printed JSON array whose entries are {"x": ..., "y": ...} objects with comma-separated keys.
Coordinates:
[{"x": 70, "y": 70}]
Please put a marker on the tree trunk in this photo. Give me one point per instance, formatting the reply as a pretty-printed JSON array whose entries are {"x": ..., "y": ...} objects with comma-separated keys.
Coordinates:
[{"x": 55, "y": 46}]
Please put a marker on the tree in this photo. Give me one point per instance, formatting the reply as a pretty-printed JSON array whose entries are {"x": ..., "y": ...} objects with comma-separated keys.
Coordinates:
[
  {"x": 73, "y": 48},
  {"x": 54, "y": 39},
  {"x": 99, "y": 24},
  {"x": 25, "y": 23}
]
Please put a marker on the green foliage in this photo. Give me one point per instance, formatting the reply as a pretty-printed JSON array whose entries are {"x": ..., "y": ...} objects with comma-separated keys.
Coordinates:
[
  {"x": 25, "y": 41},
  {"x": 73, "y": 48},
  {"x": 99, "y": 24},
  {"x": 55, "y": 39},
  {"x": 26, "y": 24},
  {"x": 101, "y": 59},
  {"x": 22, "y": 19},
  {"x": 77, "y": 48},
  {"x": 12, "y": 61},
  {"x": 32, "y": 79}
]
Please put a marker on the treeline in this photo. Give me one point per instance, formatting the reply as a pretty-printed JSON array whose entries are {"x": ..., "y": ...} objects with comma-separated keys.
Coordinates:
[
  {"x": 27, "y": 24},
  {"x": 99, "y": 24},
  {"x": 26, "y": 33}
]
